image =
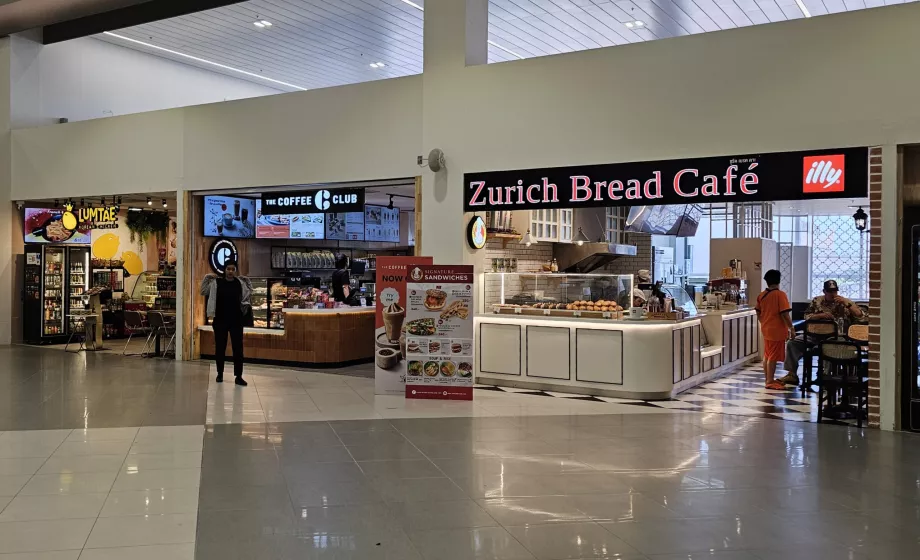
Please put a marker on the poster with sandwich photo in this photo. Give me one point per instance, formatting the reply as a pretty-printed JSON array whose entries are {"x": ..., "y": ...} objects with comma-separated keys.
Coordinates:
[{"x": 439, "y": 332}]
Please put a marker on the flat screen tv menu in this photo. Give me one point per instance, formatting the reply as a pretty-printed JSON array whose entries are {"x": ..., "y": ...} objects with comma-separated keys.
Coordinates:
[
  {"x": 345, "y": 226},
  {"x": 228, "y": 216},
  {"x": 289, "y": 226},
  {"x": 381, "y": 224}
]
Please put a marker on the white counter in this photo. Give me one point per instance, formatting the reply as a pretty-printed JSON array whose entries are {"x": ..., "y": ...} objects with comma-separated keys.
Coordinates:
[{"x": 621, "y": 358}]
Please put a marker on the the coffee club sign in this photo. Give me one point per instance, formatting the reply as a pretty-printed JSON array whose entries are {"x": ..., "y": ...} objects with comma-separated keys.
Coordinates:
[
  {"x": 838, "y": 173},
  {"x": 86, "y": 218},
  {"x": 313, "y": 202}
]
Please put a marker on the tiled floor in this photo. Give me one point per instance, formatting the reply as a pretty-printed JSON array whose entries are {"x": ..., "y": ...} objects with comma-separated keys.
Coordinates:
[
  {"x": 312, "y": 466},
  {"x": 285, "y": 395},
  {"x": 740, "y": 393},
  {"x": 100, "y": 493}
]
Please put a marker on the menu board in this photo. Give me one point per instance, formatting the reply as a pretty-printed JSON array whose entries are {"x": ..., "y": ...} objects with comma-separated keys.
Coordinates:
[
  {"x": 46, "y": 225},
  {"x": 439, "y": 332},
  {"x": 229, "y": 216},
  {"x": 289, "y": 226},
  {"x": 390, "y": 324},
  {"x": 381, "y": 224},
  {"x": 345, "y": 226}
]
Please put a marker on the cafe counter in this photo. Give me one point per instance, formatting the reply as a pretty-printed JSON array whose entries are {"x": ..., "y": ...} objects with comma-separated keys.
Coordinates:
[
  {"x": 612, "y": 357},
  {"x": 311, "y": 337}
]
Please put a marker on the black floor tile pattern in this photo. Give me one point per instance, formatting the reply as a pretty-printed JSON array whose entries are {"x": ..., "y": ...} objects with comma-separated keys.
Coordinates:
[{"x": 746, "y": 384}]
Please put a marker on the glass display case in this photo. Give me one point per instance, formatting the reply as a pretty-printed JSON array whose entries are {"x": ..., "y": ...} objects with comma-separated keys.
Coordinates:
[
  {"x": 267, "y": 301},
  {"x": 554, "y": 294},
  {"x": 145, "y": 289}
]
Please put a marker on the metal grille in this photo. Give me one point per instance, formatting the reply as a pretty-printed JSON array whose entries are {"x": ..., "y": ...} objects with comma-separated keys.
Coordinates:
[
  {"x": 840, "y": 252},
  {"x": 785, "y": 266}
]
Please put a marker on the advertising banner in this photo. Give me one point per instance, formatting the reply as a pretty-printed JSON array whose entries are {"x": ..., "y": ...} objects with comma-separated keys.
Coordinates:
[
  {"x": 815, "y": 174},
  {"x": 439, "y": 332},
  {"x": 390, "y": 331}
]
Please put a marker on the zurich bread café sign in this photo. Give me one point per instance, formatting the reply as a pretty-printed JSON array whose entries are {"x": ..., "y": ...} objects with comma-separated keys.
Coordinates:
[{"x": 816, "y": 174}]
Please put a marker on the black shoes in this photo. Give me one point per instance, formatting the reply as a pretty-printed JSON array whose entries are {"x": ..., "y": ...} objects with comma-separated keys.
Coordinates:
[
  {"x": 220, "y": 378},
  {"x": 241, "y": 382}
]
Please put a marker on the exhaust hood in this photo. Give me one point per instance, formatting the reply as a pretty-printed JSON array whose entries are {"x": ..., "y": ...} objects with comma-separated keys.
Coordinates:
[{"x": 582, "y": 259}]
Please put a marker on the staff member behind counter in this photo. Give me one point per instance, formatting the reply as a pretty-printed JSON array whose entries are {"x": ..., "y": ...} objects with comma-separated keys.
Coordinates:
[
  {"x": 341, "y": 280},
  {"x": 642, "y": 289},
  {"x": 830, "y": 306}
]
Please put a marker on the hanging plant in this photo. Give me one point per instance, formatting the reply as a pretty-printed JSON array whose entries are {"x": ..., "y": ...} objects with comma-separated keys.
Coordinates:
[{"x": 145, "y": 223}]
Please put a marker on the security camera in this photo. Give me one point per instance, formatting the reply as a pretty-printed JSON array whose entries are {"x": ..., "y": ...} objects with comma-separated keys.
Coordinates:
[{"x": 20, "y": 204}]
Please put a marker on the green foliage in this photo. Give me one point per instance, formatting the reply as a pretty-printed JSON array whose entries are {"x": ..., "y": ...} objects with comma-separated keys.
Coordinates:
[{"x": 145, "y": 223}]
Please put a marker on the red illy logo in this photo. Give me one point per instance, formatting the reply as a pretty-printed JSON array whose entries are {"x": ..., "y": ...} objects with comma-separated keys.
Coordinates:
[{"x": 823, "y": 174}]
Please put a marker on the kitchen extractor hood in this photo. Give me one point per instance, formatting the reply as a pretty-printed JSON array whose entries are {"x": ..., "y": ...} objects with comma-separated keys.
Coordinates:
[{"x": 582, "y": 259}]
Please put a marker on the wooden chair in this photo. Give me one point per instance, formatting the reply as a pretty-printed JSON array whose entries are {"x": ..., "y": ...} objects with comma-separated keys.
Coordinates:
[
  {"x": 843, "y": 370},
  {"x": 815, "y": 331}
]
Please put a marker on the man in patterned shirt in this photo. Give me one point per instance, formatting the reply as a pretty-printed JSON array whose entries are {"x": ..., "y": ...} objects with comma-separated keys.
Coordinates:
[{"x": 831, "y": 306}]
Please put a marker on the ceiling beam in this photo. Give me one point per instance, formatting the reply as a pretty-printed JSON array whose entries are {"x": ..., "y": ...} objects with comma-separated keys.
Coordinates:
[{"x": 153, "y": 10}]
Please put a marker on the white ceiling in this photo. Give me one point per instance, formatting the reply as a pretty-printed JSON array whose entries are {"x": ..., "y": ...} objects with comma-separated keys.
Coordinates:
[{"x": 322, "y": 43}]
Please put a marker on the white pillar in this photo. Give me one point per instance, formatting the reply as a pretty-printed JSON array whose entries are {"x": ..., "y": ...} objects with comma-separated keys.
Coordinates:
[
  {"x": 456, "y": 32},
  {"x": 20, "y": 106},
  {"x": 888, "y": 333}
]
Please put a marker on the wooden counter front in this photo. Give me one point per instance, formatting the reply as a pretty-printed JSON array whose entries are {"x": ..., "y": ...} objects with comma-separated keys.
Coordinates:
[{"x": 320, "y": 338}]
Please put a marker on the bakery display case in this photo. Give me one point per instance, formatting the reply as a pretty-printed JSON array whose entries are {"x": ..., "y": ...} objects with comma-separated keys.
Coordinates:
[{"x": 593, "y": 296}]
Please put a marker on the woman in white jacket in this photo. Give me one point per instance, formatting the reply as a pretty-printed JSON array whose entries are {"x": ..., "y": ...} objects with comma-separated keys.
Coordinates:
[{"x": 227, "y": 305}]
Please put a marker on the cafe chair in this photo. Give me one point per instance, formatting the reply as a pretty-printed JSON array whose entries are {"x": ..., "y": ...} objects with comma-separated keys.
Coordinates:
[
  {"x": 858, "y": 333},
  {"x": 157, "y": 322},
  {"x": 815, "y": 331},
  {"x": 134, "y": 324},
  {"x": 844, "y": 373}
]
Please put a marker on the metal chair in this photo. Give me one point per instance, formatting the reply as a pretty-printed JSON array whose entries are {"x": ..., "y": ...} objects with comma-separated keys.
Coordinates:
[
  {"x": 843, "y": 370},
  {"x": 134, "y": 324},
  {"x": 158, "y": 324},
  {"x": 815, "y": 331}
]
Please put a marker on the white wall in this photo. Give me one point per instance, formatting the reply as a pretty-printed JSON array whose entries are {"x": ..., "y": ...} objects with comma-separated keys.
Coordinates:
[
  {"x": 349, "y": 133},
  {"x": 89, "y": 78}
]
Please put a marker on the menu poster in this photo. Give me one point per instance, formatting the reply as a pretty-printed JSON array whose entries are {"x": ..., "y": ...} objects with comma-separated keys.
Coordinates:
[
  {"x": 381, "y": 224},
  {"x": 439, "y": 332},
  {"x": 347, "y": 226},
  {"x": 390, "y": 323},
  {"x": 46, "y": 225},
  {"x": 288, "y": 226}
]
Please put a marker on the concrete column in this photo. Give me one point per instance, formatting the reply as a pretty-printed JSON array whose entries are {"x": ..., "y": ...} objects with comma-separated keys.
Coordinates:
[
  {"x": 456, "y": 32},
  {"x": 20, "y": 105},
  {"x": 888, "y": 333}
]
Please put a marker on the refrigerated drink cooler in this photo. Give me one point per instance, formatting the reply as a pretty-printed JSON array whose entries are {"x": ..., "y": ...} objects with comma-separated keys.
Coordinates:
[{"x": 56, "y": 277}]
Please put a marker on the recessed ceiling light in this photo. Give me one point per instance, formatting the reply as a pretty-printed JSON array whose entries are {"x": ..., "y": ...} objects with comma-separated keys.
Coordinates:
[
  {"x": 258, "y": 24},
  {"x": 377, "y": 65},
  {"x": 262, "y": 23},
  {"x": 637, "y": 23}
]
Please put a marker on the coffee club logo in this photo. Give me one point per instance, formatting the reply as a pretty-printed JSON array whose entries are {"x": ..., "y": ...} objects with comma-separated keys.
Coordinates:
[
  {"x": 222, "y": 251},
  {"x": 339, "y": 200}
]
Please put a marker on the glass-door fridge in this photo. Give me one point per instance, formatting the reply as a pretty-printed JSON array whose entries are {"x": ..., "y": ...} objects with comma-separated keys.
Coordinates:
[
  {"x": 910, "y": 283},
  {"x": 55, "y": 279}
]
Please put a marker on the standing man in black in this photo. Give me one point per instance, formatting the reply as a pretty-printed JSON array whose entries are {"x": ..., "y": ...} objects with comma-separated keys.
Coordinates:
[{"x": 227, "y": 305}]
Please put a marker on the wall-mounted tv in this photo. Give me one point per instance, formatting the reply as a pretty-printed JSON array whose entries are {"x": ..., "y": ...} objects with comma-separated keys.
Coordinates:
[
  {"x": 381, "y": 224},
  {"x": 289, "y": 226},
  {"x": 229, "y": 216},
  {"x": 46, "y": 225},
  {"x": 673, "y": 219},
  {"x": 345, "y": 226}
]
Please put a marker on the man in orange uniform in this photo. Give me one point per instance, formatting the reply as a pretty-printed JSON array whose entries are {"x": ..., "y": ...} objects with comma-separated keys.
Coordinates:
[{"x": 773, "y": 311}]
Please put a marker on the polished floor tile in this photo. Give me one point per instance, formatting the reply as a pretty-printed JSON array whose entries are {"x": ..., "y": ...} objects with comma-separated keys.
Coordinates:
[{"x": 339, "y": 473}]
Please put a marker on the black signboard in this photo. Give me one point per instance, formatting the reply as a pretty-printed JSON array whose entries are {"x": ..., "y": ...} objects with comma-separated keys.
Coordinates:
[
  {"x": 312, "y": 202},
  {"x": 816, "y": 174}
]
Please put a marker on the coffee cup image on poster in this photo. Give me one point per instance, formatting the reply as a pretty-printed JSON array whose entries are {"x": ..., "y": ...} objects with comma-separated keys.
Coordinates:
[{"x": 390, "y": 338}]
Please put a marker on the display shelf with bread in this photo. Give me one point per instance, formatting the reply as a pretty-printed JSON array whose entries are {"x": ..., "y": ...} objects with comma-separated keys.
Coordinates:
[{"x": 595, "y": 296}]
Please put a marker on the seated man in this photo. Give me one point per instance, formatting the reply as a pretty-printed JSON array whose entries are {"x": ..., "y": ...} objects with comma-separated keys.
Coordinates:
[{"x": 831, "y": 306}]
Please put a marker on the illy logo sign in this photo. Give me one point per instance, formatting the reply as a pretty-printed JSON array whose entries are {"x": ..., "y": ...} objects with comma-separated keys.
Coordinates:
[{"x": 823, "y": 174}]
